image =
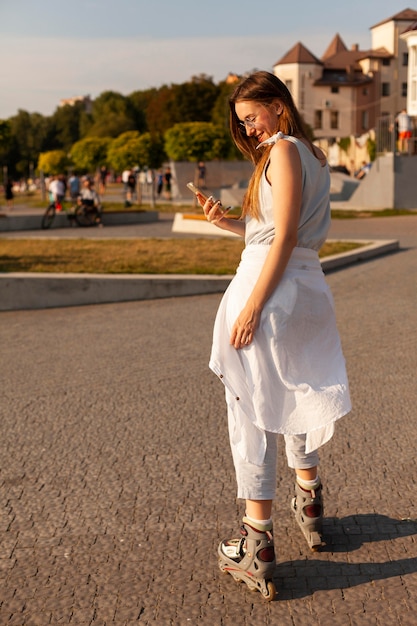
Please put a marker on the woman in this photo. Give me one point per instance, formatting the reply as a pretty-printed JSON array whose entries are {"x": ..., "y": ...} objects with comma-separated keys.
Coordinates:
[{"x": 275, "y": 346}]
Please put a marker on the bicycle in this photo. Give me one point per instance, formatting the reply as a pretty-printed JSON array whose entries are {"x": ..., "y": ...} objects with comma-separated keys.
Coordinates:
[{"x": 83, "y": 214}]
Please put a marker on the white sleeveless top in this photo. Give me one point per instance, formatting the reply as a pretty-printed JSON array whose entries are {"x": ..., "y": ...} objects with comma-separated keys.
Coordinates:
[{"x": 315, "y": 207}]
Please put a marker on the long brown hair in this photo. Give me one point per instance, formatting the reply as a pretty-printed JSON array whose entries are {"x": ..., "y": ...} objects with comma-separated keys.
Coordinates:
[{"x": 265, "y": 89}]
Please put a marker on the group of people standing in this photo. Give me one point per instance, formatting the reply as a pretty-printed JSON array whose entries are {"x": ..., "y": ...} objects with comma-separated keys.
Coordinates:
[
  {"x": 164, "y": 183},
  {"x": 81, "y": 191},
  {"x": 134, "y": 181}
]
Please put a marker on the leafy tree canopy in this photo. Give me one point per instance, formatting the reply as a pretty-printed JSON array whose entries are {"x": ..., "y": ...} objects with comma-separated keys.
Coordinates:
[
  {"x": 154, "y": 111},
  {"x": 90, "y": 153},
  {"x": 195, "y": 141},
  {"x": 66, "y": 124},
  {"x": 5, "y": 132},
  {"x": 53, "y": 162},
  {"x": 112, "y": 115},
  {"x": 131, "y": 149},
  {"x": 194, "y": 101}
]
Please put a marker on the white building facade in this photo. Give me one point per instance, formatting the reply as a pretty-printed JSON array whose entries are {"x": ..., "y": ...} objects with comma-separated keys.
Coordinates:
[{"x": 410, "y": 38}]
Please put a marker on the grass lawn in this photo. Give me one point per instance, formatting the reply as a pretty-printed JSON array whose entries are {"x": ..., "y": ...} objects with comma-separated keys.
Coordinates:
[{"x": 130, "y": 256}]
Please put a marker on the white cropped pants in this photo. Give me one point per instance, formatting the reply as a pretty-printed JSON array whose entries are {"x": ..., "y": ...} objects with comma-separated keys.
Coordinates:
[{"x": 259, "y": 482}]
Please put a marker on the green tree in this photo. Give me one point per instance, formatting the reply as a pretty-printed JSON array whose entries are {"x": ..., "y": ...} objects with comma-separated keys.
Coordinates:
[
  {"x": 122, "y": 151},
  {"x": 28, "y": 136},
  {"x": 187, "y": 102},
  {"x": 132, "y": 149},
  {"x": 66, "y": 125},
  {"x": 160, "y": 112},
  {"x": 371, "y": 146},
  {"x": 53, "y": 162},
  {"x": 112, "y": 115},
  {"x": 152, "y": 150},
  {"x": 139, "y": 102},
  {"x": 220, "y": 111},
  {"x": 5, "y": 135},
  {"x": 193, "y": 101},
  {"x": 5, "y": 132},
  {"x": 195, "y": 141},
  {"x": 90, "y": 153},
  {"x": 220, "y": 115},
  {"x": 344, "y": 144}
]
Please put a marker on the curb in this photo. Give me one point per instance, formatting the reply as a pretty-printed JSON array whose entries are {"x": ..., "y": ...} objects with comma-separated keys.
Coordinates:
[
  {"x": 43, "y": 290},
  {"x": 368, "y": 251},
  {"x": 11, "y": 222}
]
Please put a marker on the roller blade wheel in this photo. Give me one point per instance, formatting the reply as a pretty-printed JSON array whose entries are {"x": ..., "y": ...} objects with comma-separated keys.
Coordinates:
[
  {"x": 314, "y": 539},
  {"x": 266, "y": 588}
]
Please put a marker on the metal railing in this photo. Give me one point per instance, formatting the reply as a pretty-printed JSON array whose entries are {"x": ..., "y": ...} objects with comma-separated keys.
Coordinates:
[{"x": 385, "y": 134}]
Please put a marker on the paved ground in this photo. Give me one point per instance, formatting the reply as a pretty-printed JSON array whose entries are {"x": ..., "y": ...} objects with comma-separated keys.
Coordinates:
[{"x": 116, "y": 479}]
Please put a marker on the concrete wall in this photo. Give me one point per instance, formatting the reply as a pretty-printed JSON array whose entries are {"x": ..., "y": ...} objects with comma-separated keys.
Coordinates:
[
  {"x": 405, "y": 182},
  {"x": 12, "y": 222},
  {"x": 391, "y": 184},
  {"x": 219, "y": 174}
]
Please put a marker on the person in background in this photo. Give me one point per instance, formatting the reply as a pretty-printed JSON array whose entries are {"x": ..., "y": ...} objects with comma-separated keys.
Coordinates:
[
  {"x": 103, "y": 179},
  {"x": 159, "y": 183},
  {"x": 125, "y": 178},
  {"x": 168, "y": 183},
  {"x": 89, "y": 198},
  {"x": 57, "y": 191},
  {"x": 201, "y": 175},
  {"x": 131, "y": 188},
  {"x": 403, "y": 122},
  {"x": 363, "y": 170},
  {"x": 74, "y": 187},
  {"x": 8, "y": 192}
]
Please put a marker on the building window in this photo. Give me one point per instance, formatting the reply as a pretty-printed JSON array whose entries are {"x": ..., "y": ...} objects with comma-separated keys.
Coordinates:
[
  {"x": 365, "y": 120},
  {"x": 404, "y": 90},
  {"x": 385, "y": 89},
  {"x": 318, "y": 119},
  {"x": 365, "y": 91},
  {"x": 386, "y": 62},
  {"x": 405, "y": 58},
  {"x": 334, "y": 89},
  {"x": 289, "y": 85},
  {"x": 334, "y": 119}
]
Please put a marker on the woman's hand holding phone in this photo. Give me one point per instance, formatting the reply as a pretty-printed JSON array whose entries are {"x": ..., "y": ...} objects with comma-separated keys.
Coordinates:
[
  {"x": 212, "y": 208},
  {"x": 200, "y": 195}
]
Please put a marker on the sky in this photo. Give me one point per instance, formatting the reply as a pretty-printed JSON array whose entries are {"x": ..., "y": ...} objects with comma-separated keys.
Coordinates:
[{"x": 53, "y": 49}]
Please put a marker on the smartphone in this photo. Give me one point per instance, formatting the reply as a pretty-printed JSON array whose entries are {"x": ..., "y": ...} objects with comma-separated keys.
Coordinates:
[{"x": 196, "y": 190}]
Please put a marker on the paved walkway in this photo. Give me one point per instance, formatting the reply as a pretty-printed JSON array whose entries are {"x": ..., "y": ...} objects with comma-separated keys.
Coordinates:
[{"x": 116, "y": 479}]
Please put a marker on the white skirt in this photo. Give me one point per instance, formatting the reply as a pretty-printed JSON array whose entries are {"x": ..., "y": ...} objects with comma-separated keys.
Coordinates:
[{"x": 292, "y": 378}]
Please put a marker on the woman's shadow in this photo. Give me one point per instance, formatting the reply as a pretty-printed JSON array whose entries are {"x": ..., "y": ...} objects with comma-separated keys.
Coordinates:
[{"x": 300, "y": 578}]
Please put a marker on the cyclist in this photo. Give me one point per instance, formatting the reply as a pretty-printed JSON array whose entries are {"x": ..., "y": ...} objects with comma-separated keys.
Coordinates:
[
  {"x": 57, "y": 190},
  {"x": 89, "y": 199}
]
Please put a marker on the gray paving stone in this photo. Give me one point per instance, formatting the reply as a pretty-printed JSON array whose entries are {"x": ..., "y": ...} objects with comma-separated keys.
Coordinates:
[{"x": 116, "y": 480}]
